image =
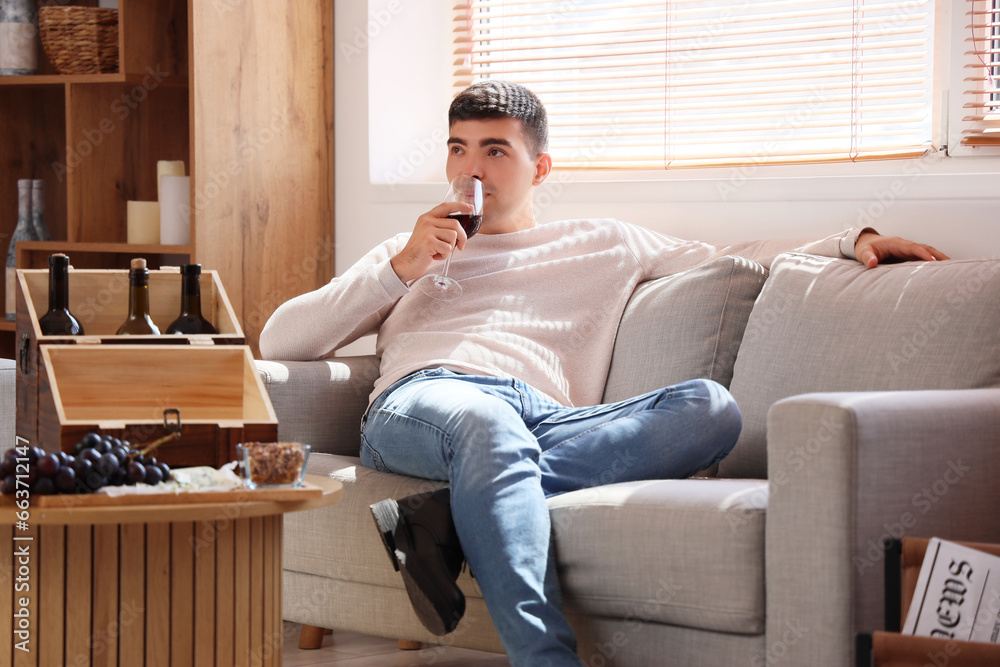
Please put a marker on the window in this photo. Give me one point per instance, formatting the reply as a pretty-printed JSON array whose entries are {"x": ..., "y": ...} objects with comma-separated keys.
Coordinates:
[
  {"x": 979, "y": 61},
  {"x": 660, "y": 84}
]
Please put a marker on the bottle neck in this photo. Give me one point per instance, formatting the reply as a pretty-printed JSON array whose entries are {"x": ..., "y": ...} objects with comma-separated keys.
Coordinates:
[
  {"x": 191, "y": 296},
  {"x": 24, "y": 197},
  {"x": 138, "y": 292},
  {"x": 58, "y": 288}
]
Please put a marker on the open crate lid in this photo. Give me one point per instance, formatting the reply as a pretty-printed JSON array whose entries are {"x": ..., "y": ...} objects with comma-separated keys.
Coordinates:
[
  {"x": 98, "y": 298},
  {"x": 114, "y": 386}
]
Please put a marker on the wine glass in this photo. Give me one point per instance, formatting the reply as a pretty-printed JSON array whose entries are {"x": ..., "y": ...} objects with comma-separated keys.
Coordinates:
[{"x": 469, "y": 190}]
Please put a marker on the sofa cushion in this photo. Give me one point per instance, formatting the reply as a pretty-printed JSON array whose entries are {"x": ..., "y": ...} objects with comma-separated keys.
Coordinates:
[
  {"x": 686, "y": 552},
  {"x": 683, "y": 327},
  {"x": 823, "y": 325},
  {"x": 701, "y": 564}
]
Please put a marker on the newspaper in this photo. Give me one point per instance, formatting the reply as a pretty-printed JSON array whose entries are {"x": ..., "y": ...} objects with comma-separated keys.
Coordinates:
[{"x": 957, "y": 594}]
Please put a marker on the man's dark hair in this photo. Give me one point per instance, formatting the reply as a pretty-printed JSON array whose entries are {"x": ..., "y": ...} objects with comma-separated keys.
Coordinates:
[{"x": 502, "y": 99}]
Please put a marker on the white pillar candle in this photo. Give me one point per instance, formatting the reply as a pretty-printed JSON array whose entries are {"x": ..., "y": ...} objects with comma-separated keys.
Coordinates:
[
  {"x": 167, "y": 167},
  {"x": 143, "y": 222},
  {"x": 175, "y": 210}
]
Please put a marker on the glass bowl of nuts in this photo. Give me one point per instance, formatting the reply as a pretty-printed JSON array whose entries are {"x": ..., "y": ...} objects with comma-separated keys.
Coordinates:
[{"x": 273, "y": 464}]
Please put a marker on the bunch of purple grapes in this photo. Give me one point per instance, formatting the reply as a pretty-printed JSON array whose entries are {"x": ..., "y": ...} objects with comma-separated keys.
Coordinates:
[{"x": 99, "y": 460}]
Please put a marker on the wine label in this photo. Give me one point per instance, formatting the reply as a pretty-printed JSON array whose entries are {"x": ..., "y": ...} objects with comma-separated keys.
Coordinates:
[{"x": 18, "y": 49}]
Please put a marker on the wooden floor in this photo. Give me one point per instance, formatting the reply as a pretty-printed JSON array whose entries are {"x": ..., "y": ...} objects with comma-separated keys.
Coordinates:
[{"x": 349, "y": 649}]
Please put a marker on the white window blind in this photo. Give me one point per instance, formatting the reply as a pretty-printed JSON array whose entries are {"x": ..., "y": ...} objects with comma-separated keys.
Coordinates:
[
  {"x": 678, "y": 83},
  {"x": 981, "y": 80}
]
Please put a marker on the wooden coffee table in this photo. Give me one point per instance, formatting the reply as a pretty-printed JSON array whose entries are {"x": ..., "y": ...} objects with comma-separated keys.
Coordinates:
[{"x": 193, "y": 581}]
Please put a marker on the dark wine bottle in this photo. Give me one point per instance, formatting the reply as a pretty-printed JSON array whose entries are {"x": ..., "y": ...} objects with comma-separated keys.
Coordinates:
[
  {"x": 190, "y": 321},
  {"x": 138, "y": 322},
  {"x": 58, "y": 321}
]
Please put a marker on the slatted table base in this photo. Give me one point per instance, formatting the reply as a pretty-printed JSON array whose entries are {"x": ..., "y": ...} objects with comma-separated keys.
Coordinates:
[{"x": 202, "y": 593}]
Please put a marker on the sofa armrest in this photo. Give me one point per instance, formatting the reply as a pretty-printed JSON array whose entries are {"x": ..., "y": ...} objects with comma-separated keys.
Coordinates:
[
  {"x": 847, "y": 473},
  {"x": 8, "y": 404},
  {"x": 321, "y": 402}
]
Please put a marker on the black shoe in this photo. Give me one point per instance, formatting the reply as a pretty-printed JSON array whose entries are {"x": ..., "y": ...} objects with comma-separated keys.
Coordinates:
[{"x": 419, "y": 536}]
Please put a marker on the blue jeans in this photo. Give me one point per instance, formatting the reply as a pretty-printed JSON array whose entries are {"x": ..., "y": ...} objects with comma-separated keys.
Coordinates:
[{"x": 505, "y": 447}]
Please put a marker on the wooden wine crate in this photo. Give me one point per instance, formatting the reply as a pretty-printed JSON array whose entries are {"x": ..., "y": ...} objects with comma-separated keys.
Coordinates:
[
  {"x": 99, "y": 299},
  {"x": 213, "y": 393}
]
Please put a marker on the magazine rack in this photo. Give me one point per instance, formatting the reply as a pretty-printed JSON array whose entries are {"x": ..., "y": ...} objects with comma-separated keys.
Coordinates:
[{"x": 889, "y": 648}]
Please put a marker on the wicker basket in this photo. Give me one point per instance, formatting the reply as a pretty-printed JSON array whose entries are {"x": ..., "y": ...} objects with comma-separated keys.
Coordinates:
[{"x": 80, "y": 40}]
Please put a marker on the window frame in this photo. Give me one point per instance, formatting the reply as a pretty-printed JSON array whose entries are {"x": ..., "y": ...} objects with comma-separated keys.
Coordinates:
[{"x": 956, "y": 97}]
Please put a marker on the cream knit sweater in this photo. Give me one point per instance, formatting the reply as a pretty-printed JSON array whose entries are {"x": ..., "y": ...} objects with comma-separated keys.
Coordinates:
[{"x": 541, "y": 305}]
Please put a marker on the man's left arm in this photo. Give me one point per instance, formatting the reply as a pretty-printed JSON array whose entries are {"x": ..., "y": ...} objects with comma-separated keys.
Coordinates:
[{"x": 662, "y": 255}]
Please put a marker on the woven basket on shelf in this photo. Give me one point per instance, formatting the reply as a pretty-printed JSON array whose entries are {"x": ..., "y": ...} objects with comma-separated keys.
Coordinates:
[{"x": 80, "y": 40}]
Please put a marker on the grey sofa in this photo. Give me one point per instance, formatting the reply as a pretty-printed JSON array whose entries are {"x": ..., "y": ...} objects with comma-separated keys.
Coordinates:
[
  {"x": 8, "y": 403},
  {"x": 871, "y": 409}
]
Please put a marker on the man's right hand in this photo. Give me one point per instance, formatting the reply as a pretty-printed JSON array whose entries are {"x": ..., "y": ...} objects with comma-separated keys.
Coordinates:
[{"x": 433, "y": 238}]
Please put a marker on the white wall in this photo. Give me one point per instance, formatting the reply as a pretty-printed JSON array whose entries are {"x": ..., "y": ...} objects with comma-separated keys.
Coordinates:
[{"x": 951, "y": 203}]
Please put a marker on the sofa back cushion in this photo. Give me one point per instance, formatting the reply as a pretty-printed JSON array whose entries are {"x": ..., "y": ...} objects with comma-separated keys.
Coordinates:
[
  {"x": 824, "y": 325},
  {"x": 683, "y": 327}
]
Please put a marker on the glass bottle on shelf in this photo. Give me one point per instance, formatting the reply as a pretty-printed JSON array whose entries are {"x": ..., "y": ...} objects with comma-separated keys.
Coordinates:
[
  {"x": 58, "y": 321},
  {"x": 22, "y": 232},
  {"x": 138, "y": 322},
  {"x": 190, "y": 321}
]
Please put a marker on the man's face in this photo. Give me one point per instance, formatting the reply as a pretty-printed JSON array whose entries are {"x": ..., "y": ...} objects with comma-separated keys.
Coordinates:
[{"x": 495, "y": 151}]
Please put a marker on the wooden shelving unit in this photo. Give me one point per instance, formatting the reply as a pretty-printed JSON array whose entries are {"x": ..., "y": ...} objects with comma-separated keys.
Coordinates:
[
  {"x": 253, "y": 125},
  {"x": 95, "y": 140}
]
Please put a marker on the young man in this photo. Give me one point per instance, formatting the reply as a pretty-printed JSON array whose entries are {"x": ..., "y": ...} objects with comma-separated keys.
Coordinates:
[{"x": 498, "y": 392}]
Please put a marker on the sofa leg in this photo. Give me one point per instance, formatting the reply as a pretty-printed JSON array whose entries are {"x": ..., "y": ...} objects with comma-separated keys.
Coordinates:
[
  {"x": 311, "y": 637},
  {"x": 407, "y": 645}
]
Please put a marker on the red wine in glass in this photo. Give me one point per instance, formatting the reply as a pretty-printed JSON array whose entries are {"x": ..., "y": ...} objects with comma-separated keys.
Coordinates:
[
  {"x": 469, "y": 190},
  {"x": 470, "y": 223}
]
